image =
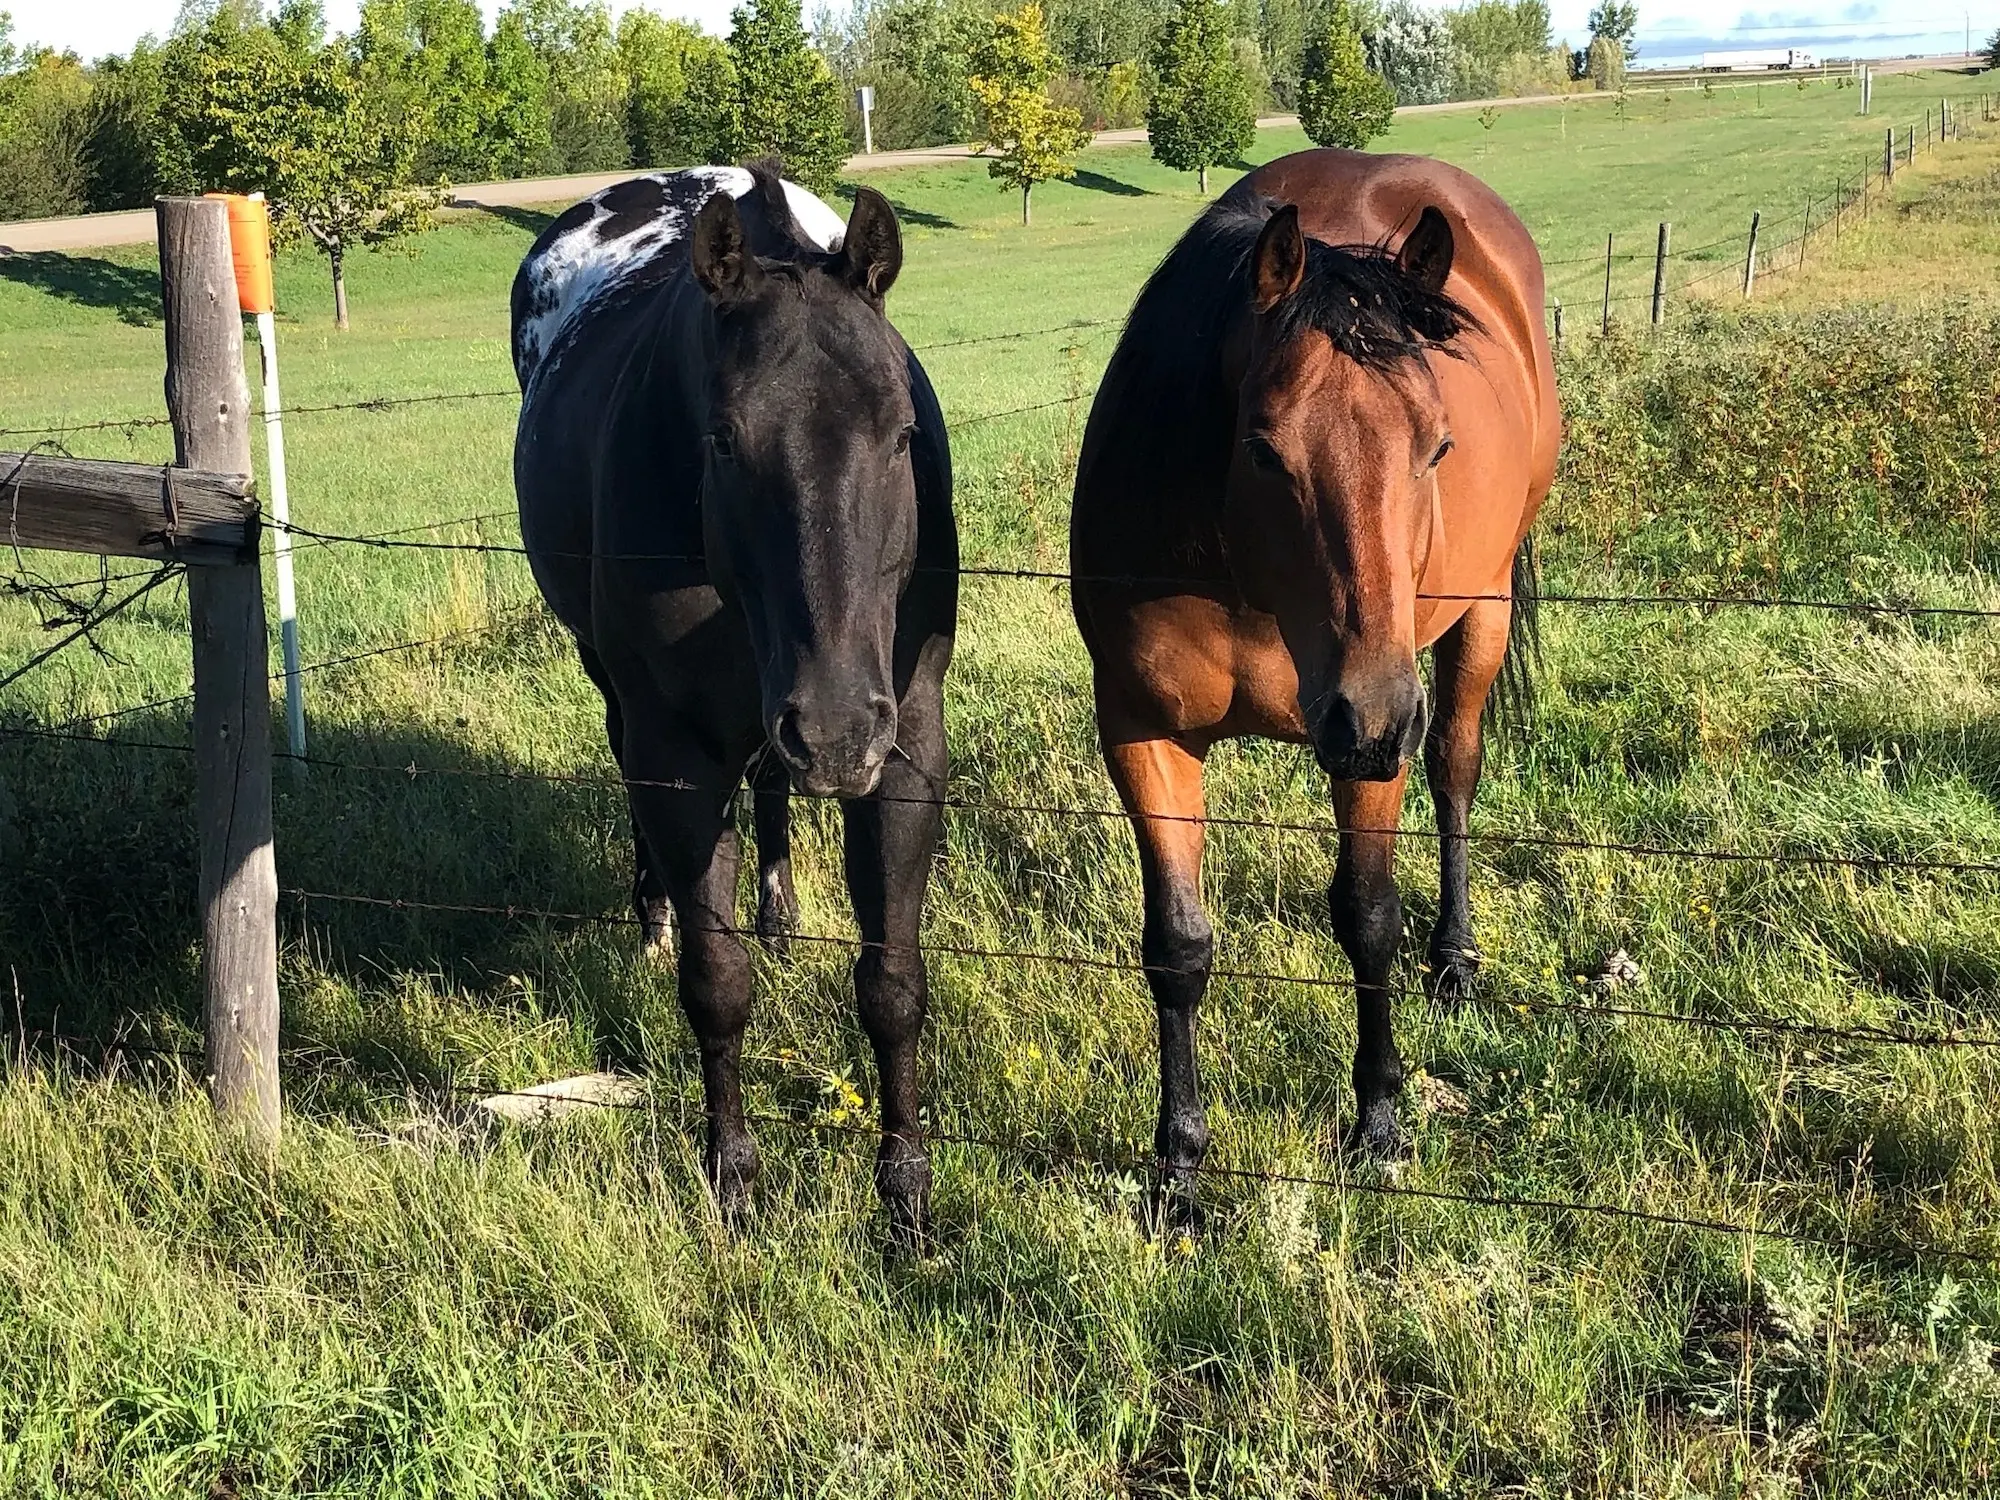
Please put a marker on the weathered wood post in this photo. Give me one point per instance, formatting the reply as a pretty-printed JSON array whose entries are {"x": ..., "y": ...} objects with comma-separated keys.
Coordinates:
[
  {"x": 1559, "y": 324},
  {"x": 1805, "y": 233},
  {"x": 1750, "y": 256},
  {"x": 1888, "y": 155},
  {"x": 208, "y": 402},
  {"x": 1607, "y": 284},
  {"x": 1660, "y": 276}
]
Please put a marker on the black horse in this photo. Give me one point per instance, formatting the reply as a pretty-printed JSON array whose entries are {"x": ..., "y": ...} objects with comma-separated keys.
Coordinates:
[{"x": 735, "y": 491}]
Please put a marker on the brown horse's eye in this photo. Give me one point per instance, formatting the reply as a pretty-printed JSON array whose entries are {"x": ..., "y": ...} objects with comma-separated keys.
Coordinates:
[
  {"x": 1263, "y": 457},
  {"x": 903, "y": 440},
  {"x": 1443, "y": 448}
]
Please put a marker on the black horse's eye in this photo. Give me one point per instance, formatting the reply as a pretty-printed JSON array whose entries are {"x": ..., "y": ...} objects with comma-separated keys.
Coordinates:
[
  {"x": 903, "y": 440},
  {"x": 1263, "y": 457},
  {"x": 722, "y": 441},
  {"x": 1443, "y": 448}
]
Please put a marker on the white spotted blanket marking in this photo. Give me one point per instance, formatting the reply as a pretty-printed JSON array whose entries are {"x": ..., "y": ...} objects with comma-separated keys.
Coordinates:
[{"x": 630, "y": 233}]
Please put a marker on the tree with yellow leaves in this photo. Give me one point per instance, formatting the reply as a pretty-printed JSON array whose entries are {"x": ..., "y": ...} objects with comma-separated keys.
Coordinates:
[{"x": 1037, "y": 138}]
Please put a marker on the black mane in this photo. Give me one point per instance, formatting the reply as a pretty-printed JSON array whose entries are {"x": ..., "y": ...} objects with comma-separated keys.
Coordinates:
[{"x": 1357, "y": 295}]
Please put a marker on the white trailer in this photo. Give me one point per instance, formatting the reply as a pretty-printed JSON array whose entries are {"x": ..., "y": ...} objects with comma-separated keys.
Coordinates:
[{"x": 1757, "y": 60}]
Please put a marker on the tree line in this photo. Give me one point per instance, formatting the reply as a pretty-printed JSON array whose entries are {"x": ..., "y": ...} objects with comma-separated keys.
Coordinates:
[{"x": 353, "y": 136}]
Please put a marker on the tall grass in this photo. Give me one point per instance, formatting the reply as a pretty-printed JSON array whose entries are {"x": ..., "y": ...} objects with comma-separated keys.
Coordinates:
[{"x": 413, "y": 1302}]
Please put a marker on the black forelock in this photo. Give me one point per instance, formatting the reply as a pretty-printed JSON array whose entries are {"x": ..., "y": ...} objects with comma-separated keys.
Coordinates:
[
  {"x": 1359, "y": 296},
  {"x": 786, "y": 248}
]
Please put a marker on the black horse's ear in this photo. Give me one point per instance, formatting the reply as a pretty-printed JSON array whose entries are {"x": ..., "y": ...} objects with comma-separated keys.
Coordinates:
[
  {"x": 720, "y": 256},
  {"x": 1426, "y": 254},
  {"x": 873, "y": 248},
  {"x": 1279, "y": 262}
]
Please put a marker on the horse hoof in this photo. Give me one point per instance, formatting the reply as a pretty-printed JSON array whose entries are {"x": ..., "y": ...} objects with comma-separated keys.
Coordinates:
[
  {"x": 1377, "y": 1137},
  {"x": 1173, "y": 1209},
  {"x": 904, "y": 1184},
  {"x": 732, "y": 1177},
  {"x": 1454, "y": 973},
  {"x": 656, "y": 937}
]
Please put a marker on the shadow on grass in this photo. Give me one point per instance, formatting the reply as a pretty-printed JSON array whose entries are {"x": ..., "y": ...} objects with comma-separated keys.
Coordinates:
[
  {"x": 131, "y": 293},
  {"x": 1097, "y": 182},
  {"x": 98, "y": 918},
  {"x": 532, "y": 220}
]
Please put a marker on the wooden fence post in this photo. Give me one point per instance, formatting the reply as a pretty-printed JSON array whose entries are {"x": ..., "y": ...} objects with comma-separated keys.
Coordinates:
[
  {"x": 1559, "y": 325},
  {"x": 208, "y": 402},
  {"x": 1607, "y": 284},
  {"x": 1660, "y": 276},
  {"x": 1750, "y": 257},
  {"x": 1888, "y": 155}
]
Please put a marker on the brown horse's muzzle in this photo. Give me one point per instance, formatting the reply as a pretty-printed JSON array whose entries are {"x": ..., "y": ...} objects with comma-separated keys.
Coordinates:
[{"x": 1366, "y": 731}]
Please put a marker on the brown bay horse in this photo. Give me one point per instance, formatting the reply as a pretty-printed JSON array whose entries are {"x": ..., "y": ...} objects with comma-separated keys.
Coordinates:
[{"x": 1317, "y": 450}]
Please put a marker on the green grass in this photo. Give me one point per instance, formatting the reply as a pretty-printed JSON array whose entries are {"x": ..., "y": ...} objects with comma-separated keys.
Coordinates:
[{"x": 409, "y": 1305}]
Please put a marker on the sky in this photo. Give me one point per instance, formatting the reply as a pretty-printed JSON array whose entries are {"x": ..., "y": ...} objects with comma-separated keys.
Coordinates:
[{"x": 1678, "y": 30}]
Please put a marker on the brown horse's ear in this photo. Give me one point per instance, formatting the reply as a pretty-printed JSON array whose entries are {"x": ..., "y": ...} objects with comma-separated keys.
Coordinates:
[
  {"x": 721, "y": 258},
  {"x": 873, "y": 248},
  {"x": 1279, "y": 261},
  {"x": 1426, "y": 254}
]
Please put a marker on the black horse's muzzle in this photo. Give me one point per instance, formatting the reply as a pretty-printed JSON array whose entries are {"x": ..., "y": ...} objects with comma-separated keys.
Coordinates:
[{"x": 835, "y": 747}]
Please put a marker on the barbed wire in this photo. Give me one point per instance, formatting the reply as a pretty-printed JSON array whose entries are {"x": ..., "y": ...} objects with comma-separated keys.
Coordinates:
[
  {"x": 1753, "y": 1023},
  {"x": 392, "y": 541}
]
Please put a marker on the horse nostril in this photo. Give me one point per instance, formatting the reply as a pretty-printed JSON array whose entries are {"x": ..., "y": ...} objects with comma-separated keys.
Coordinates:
[{"x": 790, "y": 742}]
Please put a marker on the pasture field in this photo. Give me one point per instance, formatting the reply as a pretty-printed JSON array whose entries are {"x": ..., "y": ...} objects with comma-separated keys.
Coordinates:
[{"x": 413, "y": 1305}]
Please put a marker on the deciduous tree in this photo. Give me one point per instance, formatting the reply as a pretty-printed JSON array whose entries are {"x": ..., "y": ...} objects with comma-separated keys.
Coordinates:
[
  {"x": 787, "y": 99},
  {"x": 1341, "y": 103},
  {"x": 680, "y": 106},
  {"x": 1036, "y": 138},
  {"x": 259, "y": 118},
  {"x": 1201, "y": 111}
]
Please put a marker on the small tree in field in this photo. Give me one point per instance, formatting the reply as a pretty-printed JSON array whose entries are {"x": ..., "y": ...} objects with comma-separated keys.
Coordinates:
[
  {"x": 298, "y": 129},
  {"x": 787, "y": 100},
  {"x": 1201, "y": 111},
  {"x": 1341, "y": 103},
  {"x": 1037, "y": 138}
]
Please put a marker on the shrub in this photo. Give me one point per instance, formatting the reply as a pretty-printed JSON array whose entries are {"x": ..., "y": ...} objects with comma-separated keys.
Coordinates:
[
  {"x": 1341, "y": 103},
  {"x": 1412, "y": 49},
  {"x": 1769, "y": 444}
]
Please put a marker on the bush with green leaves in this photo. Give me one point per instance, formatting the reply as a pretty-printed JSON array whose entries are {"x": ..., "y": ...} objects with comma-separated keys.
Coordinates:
[
  {"x": 1341, "y": 103},
  {"x": 787, "y": 100},
  {"x": 1202, "y": 111},
  {"x": 1412, "y": 48},
  {"x": 680, "y": 104},
  {"x": 45, "y": 101},
  {"x": 257, "y": 117}
]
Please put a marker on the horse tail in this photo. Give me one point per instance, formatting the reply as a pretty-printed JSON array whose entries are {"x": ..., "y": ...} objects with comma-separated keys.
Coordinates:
[{"x": 1514, "y": 702}]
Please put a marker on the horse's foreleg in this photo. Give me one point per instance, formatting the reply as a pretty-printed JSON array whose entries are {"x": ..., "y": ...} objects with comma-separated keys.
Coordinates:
[
  {"x": 1160, "y": 783},
  {"x": 649, "y": 891},
  {"x": 1468, "y": 658},
  {"x": 777, "y": 903},
  {"x": 1368, "y": 920},
  {"x": 890, "y": 839},
  {"x": 682, "y": 800}
]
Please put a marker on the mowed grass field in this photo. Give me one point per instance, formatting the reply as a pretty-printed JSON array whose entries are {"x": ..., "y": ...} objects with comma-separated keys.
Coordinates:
[{"x": 413, "y": 1304}]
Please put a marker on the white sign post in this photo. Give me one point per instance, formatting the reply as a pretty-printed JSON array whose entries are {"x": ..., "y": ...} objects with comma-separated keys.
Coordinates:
[{"x": 865, "y": 98}]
